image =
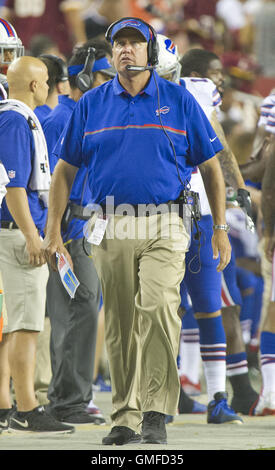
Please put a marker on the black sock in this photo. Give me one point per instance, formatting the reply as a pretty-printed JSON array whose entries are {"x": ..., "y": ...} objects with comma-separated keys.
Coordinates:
[
  {"x": 186, "y": 403},
  {"x": 241, "y": 386}
]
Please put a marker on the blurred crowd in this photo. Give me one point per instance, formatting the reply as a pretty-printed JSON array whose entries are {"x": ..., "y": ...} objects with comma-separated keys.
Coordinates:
[{"x": 240, "y": 32}]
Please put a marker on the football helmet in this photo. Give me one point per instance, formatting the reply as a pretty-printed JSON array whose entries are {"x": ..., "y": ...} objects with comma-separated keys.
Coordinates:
[
  {"x": 168, "y": 59},
  {"x": 10, "y": 44}
]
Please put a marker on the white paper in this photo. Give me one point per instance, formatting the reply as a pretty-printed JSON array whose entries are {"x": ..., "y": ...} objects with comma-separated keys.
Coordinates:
[
  {"x": 97, "y": 234},
  {"x": 68, "y": 278}
]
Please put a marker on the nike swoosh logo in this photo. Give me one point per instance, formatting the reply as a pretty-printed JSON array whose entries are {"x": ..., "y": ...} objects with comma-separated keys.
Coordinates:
[
  {"x": 24, "y": 424},
  {"x": 212, "y": 140},
  {"x": 4, "y": 424}
]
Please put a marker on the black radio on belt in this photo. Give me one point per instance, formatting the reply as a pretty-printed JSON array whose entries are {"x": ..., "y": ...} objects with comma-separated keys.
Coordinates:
[{"x": 192, "y": 199}]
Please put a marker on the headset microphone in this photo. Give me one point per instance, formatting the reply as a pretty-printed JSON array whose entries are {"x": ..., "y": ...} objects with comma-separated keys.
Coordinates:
[{"x": 139, "y": 68}]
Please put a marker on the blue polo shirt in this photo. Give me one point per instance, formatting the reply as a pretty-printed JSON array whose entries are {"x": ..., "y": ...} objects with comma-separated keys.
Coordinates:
[
  {"x": 17, "y": 155},
  {"x": 42, "y": 112},
  {"x": 54, "y": 124},
  {"x": 80, "y": 193},
  {"x": 122, "y": 142}
]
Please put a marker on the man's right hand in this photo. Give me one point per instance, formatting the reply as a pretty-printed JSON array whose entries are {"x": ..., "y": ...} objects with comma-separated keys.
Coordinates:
[
  {"x": 34, "y": 249},
  {"x": 53, "y": 244}
]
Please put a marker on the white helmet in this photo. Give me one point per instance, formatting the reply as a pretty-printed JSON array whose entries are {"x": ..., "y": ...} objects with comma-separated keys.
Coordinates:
[
  {"x": 168, "y": 59},
  {"x": 9, "y": 41}
]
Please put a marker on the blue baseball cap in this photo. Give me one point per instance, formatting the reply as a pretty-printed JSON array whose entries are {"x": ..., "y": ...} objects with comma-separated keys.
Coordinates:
[{"x": 131, "y": 23}]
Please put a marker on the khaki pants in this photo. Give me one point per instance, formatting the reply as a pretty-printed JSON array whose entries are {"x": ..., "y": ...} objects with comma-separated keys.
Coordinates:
[{"x": 140, "y": 277}]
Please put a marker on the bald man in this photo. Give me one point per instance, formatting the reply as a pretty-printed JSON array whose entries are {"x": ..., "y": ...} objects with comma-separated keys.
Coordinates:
[{"x": 23, "y": 152}]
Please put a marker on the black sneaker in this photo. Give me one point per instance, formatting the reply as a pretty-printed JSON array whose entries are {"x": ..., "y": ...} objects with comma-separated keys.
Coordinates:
[
  {"x": 37, "y": 420},
  {"x": 80, "y": 417},
  {"x": 153, "y": 428},
  {"x": 121, "y": 435},
  {"x": 5, "y": 418}
]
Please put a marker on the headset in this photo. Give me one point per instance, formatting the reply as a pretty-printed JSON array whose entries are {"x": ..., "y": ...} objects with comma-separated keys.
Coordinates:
[
  {"x": 62, "y": 68},
  {"x": 152, "y": 49},
  {"x": 85, "y": 78}
]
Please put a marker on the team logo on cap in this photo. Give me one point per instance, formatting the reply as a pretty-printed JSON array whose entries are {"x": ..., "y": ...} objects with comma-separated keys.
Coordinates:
[
  {"x": 163, "y": 110},
  {"x": 170, "y": 46},
  {"x": 11, "y": 174},
  {"x": 131, "y": 23}
]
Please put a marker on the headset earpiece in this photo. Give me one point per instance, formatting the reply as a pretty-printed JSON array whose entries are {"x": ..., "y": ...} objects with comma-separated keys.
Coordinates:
[
  {"x": 63, "y": 71},
  {"x": 153, "y": 51},
  {"x": 85, "y": 78}
]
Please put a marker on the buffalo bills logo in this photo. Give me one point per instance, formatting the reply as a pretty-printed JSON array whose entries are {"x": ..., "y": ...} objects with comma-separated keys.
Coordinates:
[
  {"x": 163, "y": 110},
  {"x": 170, "y": 46},
  {"x": 131, "y": 23},
  {"x": 11, "y": 174}
]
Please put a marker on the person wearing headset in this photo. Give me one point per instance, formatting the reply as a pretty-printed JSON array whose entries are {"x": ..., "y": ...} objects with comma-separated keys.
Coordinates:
[
  {"x": 74, "y": 322},
  {"x": 140, "y": 136},
  {"x": 58, "y": 84}
]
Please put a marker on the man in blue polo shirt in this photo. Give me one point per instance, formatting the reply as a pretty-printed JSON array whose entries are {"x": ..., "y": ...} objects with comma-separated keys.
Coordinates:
[
  {"x": 74, "y": 322},
  {"x": 140, "y": 136}
]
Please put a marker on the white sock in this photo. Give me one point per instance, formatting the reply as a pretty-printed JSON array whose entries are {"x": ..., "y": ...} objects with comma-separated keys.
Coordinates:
[
  {"x": 190, "y": 358},
  {"x": 215, "y": 375},
  {"x": 268, "y": 374}
]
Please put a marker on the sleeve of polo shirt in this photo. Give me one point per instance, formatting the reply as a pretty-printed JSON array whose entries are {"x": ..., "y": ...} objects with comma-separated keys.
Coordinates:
[
  {"x": 16, "y": 149},
  {"x": 202, "y": 139},
  {"x": 69, "y": 145}
]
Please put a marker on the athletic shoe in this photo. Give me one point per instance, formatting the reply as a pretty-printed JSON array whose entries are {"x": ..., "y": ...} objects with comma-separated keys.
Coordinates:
[
  {"x": 153, "y": 428},
  {"x": 189, "y": 387},
  {"x": 246, "y": 404},
  {"x": 94, "y": 411},
  {"x": 78, "y": 417},
  {"x": 37, "y": 420},
  {"x": 187, "y": 405},
  {"x": 265, "y": 405},
  {"x": 121, "y": 435},
  {"x": 219, "y": 412},
  {"x": 100, "y": 385},
  {"x": 5, "y": 417}
]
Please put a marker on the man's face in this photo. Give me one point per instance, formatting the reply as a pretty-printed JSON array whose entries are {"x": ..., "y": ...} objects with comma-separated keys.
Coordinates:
[
  {"x": 130, "y": 48},
  {"x": 9, "y": 55},
  {"x": 215, "y": 73},
  {"x": 42, "y": 86},
  {"x": 6, "y": 58}
]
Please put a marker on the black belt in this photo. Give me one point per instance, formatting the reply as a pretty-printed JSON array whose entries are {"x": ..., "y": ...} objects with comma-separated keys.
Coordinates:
[
  {"x": 8, "y": 224},
  {"x": 135, "y": 210},
  {"x": 139, "y": 211}
]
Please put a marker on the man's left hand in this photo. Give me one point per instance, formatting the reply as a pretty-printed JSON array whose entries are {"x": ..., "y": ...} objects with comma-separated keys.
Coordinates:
[{"x": 221, "y": 246}]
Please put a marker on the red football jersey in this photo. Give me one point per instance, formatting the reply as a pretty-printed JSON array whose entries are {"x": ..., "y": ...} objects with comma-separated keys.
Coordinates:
[{"x": 41, "y": 17}]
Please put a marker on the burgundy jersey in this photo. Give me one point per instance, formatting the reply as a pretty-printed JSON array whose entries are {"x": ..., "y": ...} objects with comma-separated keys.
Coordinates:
[
  {"x": 197, "y": 8},
  {"x": 41, "y": 17}
]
